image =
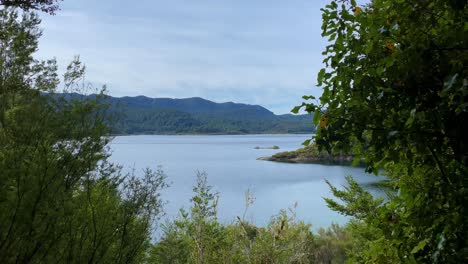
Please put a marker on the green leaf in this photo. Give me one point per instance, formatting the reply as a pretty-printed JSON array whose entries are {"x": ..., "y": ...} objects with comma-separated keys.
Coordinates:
[
  {"x": 411, "y": 119},
  {"x": 296, "y": 109},
  {"x": 419, "y": 247},
  {"x": 380, "y": 71},
  {"x": 356, "y": 161},
  {"x": 317, "y": 116},
  {"x": 450, "y": 81},
  {"x": 308, "y": 97},
  {"x": 320, "y": 77}
]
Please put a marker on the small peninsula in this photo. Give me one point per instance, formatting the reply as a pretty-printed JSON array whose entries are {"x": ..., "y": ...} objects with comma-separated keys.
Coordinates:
[{"x": 310, "y": 154}]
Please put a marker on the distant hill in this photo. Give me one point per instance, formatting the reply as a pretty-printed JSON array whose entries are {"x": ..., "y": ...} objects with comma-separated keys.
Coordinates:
[{"x": 144, "y": 115}]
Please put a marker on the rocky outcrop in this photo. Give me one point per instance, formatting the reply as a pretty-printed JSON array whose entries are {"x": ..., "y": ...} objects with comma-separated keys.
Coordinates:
[{"x": 310, "y": 154}]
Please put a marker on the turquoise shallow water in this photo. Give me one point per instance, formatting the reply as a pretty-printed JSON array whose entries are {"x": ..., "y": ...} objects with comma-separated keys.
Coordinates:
[{"x": 232, "y": 167}]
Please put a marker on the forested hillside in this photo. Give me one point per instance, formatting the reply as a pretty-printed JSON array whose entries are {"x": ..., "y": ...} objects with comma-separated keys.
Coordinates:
[{"x": 144, "y": 115}]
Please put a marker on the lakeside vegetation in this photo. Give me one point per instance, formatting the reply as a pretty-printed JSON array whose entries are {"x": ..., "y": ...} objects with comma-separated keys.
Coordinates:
[
  {"x": 191, "y": 116},
  {"x": 395, "y": 92},
  {"x": 174, "y": 122},
  {"x": 166, "y": 116},
  {"x": 197, "y": 236}
]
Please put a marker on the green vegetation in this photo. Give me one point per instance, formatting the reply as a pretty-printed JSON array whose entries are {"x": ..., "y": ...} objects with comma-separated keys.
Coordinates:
[
  {"x": 61, "y": 201},
  {"x": 142, "y": 115},
  {"x": 47, "y": 6},
  {"x": 395, "y": 90},
  {"x": 198, "y": 237}
]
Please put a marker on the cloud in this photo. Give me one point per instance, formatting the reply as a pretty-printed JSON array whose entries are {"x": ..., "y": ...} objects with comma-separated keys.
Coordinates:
[{"x": 258, "y": 52}]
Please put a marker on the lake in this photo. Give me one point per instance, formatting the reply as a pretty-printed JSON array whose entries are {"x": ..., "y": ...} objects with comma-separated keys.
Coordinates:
[{"x": 232, "y": 167}]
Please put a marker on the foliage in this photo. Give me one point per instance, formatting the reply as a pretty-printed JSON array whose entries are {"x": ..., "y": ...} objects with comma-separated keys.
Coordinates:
[
  {"x": 60, "y": 198},
  {"x": 332, "y": 244},
  {"x": 198, "y": 237},
  {"x": 196, "y": 234},
  {"x": 394, "y": 94},
  {"x": 143, "y": 115},
  {"x": 47, "y": 6}
]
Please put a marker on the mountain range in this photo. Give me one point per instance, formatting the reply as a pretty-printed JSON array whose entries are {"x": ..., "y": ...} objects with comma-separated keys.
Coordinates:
[{"x": 144, "y": 115}]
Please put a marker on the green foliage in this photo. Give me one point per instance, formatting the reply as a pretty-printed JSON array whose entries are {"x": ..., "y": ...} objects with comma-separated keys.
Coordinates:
[
  {"x": 47, "y": 6},
  {"x": 394, "y": 95},
  {"x": 332, "y": 244},
  {"x": 358, "y": 202},
  {"x": 61, "y": 201},
  {"x": 134, "y": 115},
  {"x": 284, "y": 240},
  {"x": 197, "y": 237}
]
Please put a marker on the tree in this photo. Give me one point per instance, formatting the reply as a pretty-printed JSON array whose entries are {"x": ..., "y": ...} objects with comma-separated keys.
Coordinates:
[
  {"x": 196, "y": 236},
  {"x": 395, "y": 88},
  {"x": 61, "y": 200},
  {"x": 18, "y": 69},
  {"x": 47, "y": 6}
]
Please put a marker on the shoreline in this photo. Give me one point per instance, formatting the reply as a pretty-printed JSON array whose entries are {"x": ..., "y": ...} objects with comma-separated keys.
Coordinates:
[
  {"x": 341, "y": 162},
  {"x": 214, "y": 134}
]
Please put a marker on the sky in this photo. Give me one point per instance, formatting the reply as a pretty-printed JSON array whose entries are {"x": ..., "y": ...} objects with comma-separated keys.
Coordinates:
[{"x": 265, "y": 52}]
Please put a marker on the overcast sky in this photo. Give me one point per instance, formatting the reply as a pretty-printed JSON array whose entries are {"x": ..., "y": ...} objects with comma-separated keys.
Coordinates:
[{"x": 265, "y": 52}]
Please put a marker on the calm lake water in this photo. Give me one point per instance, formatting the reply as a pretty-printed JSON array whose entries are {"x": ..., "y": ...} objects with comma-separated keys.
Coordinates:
[{"x": 232, "y": 167}]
